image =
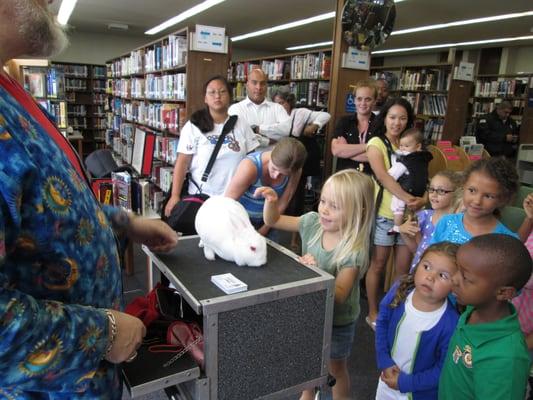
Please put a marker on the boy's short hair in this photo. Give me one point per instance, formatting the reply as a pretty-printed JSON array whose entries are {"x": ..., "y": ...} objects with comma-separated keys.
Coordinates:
[
  {"x": 506, "y": 257},
  {"x": 415, "y": 133}
]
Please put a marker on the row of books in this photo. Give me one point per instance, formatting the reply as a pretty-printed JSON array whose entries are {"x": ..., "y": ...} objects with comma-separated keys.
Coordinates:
[
  {"x": 75, "y": 84},
  {"x": 425, "y": 79},
  {"x": 79, "y": 110},
  {"x": 485, "y": 107},
  {"x": 428, "y": 104},
  {"x": 171, "y": 52},
  {"x": 127, "y": 192},
  {"x": 311, "y": 66},
  {"x": 99, "y": 71},
  {"x": 166, "y": 149},
  {"x": 100, "y": 124},
  {"x": 99, "y": 86},
  {"x": 166, "y": 86},
  {"x": 58, "y": 110},
  {"x": 433, "y": 129},
  {"x": 310, "y": 94},
  {"x": 501, "y": 88},
  {"x": 75, "y": 70},
  {"x": 308, "y": 66},
  {"x": 44, "y": 82},
  {"x": 160, "y": 116},
  {"x": 239, "y": 72},
  {"x": 99, "y": 98},
  {"x": 123, "y": 143},
  {"x": 139, "y": 195}
]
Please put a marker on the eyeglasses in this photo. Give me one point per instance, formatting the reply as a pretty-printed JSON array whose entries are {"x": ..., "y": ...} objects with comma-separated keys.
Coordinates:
[
  {"x": 439, "y": 191},
  {"x": 213, "y": 93}
]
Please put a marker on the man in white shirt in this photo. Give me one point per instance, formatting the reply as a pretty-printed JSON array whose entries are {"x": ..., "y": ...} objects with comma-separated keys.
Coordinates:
[{"x": 264, "y": 116}]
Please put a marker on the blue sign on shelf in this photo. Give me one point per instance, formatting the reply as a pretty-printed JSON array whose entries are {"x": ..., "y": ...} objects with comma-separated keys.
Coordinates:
[{"x": 349, "y": 105}]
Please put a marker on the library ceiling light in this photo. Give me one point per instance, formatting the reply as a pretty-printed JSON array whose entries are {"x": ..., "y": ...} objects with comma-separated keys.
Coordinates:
[
  {"x": 67, "y": 6},
  {"x": 288, "y": 25},
  {"x": 463, "y": 22},
  {"x": 183, "y": 16},
  {"x": 446, "y": 45},
  {"x": 305, "y": 46}
]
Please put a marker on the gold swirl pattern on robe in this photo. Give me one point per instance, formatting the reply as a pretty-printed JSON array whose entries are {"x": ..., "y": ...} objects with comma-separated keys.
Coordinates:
[
  {"x": 60, "y": 275},
  {"x": 85, "y": 232},
  {"x": 89, "y": 339},
  {"x": 57, "y": 195},
  {"x": 43, "y": 358}
]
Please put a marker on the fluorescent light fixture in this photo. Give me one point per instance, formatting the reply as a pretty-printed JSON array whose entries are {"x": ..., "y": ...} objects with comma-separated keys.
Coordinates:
[
  {"x": 463, "y": 22},
  {"x": 445, "y": 45},
  {"x": 305, "y": 46},
  {"x": 183, "y": 16},
  {"x": 31, "y": 62},
  {"x": 288, "y": 25},
  {"x": 67, "y": 6}
]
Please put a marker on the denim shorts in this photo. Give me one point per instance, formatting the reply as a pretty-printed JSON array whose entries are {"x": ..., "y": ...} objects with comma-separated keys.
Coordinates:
[
  {"x": 381, "y": 237},
  {"x": 342, "y": 341}
]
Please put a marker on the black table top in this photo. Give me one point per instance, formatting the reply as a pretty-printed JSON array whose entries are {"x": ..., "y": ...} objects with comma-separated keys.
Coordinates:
[{"x": 189, "y": 265}]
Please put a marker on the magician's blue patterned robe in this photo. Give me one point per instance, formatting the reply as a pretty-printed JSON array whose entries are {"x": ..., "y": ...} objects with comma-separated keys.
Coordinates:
[{"x": 59, "y": 269}]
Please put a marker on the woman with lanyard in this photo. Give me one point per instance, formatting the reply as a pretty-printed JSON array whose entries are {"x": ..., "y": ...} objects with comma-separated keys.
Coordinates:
[{"x": 353, "y": 131}]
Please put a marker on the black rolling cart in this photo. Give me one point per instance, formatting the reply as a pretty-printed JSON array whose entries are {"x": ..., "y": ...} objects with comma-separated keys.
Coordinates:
[{"x": 268, "y": 342}]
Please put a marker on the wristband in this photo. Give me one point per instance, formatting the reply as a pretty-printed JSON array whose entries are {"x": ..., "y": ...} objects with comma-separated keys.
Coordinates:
[{"x": 113, "y": 330}]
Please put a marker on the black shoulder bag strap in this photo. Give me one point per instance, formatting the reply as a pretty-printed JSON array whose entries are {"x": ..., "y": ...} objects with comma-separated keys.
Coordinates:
[
  {"x": 303, "y": 126},
  {"x": 379, "y": 197},
  {"x": 228, "y": 126}
]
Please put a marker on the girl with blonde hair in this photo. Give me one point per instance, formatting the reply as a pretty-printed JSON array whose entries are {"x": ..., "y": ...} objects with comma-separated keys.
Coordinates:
[{"x": 335, "y": 239}]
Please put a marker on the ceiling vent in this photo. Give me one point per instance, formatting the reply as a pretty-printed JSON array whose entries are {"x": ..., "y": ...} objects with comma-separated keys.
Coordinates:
[{"x": 117, "y": 27}]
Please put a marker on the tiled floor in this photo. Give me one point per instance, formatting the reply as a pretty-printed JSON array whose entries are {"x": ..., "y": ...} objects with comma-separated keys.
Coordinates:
[{"x": 362, "y": 365}]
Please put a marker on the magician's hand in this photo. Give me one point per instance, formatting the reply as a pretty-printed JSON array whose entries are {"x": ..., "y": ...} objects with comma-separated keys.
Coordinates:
[{"x": 155, "y": 234}]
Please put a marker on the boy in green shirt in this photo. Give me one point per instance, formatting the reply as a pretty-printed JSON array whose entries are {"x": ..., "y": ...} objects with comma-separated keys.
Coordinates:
[{"x": 487, "y": 355}]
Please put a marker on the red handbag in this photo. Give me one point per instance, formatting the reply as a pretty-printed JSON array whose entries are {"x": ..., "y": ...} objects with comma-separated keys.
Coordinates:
[{"x": 189, "y": 336}]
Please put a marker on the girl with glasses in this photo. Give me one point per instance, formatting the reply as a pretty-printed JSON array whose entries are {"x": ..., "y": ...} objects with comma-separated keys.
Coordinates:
[{"x": 445, "y": 194}]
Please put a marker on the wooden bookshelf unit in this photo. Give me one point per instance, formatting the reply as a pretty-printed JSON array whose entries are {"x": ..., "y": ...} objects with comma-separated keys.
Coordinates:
[{"x": 155, "y": 88}]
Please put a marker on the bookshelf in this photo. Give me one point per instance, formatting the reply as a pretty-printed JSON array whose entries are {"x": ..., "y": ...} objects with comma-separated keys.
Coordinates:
[
  {"x": 306, "y": 74},
  {"x": 47, "y": 85},
  {"x": 489, "y": 90},
  {"x": 84, "y": 93},
  {"x": 154, "y": 89},
  {"x": 426, "y": 88}
]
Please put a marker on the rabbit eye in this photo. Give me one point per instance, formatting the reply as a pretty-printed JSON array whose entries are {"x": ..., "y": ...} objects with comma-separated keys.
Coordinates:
[{"x": 252, "y": 248}]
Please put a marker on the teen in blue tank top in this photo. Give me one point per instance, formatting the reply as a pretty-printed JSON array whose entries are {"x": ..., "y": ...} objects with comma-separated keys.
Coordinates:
[{"x": 280, "y": 169}]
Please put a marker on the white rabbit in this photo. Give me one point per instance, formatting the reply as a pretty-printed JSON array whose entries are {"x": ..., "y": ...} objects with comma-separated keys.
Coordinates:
[{"x": 225, "y": 230}]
